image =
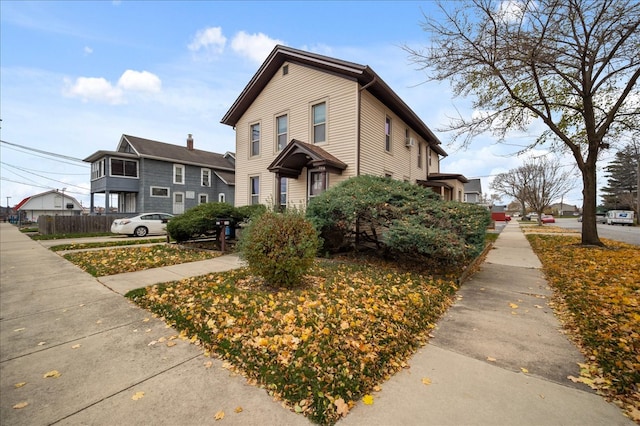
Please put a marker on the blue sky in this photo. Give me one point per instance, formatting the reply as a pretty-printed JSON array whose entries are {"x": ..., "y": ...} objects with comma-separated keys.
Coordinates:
[{"x": 77, "y": 75}]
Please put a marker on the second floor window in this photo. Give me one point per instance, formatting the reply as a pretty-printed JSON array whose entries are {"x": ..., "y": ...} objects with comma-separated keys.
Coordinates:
[
  {"x": 178, "y": 174},
  {"x": 419, "y": 155},
  {"x": 255, "y": 139},
  {"x": 97, "y": 169},
  {"x": 387, "y": 134},
  {"x": 206, "y": 177},
  {"x": 281, "y": 126},
  {"x": 126, "y": 168},
  {"x": 254, "y": 183},
  {"x": 319, "y": 122}
]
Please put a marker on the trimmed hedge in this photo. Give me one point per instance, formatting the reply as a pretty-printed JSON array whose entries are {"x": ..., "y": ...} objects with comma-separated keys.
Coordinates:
[{"x": 279, "y": 247}]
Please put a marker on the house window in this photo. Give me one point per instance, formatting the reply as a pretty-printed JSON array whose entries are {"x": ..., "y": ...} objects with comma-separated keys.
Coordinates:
[
  {"x": 317, "y": 183},
  {"x": 319, "y": 122},
  {"x": 255, "y": 139},
  {"x": 429, "y": 155},
  {"x": 205, "y": 175},
  {"x": 283, "y": 191},
  {"x": 97, "y": 169},
  {"x": 285, "y": 70},
  {"x": 419, "y": 155},
  {"x": 203, "y": 198},
  {"x": 158, "y": 191},
  {"x": 222, "y": 197},
  {"x": 127, "y": 168},
  {"x": 281, "y": 126},
  {"x": 387, "y": 134},
  {"x": 178, "y": 174},
  {"x": 254, "y": 183}
]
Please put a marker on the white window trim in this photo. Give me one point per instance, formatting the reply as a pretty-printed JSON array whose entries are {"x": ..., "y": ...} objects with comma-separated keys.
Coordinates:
[
  {"x": 151, "y": 188},
  {"x": 251, "y": 154},
  {"x": 184, "y": 177},
  {"x": 251, "y": 194},
  {"x": 122, "y": 176},
  {"x": 286, "y": 133},
  {"x": 222, "y": 197},
  {"x": 202, "y": 172},
  {"x": 389, "y": 135},
  {"x": 206, "y": 198},
  {"x": 310, "y": 182},
  {"x": 326, "y": 122}
]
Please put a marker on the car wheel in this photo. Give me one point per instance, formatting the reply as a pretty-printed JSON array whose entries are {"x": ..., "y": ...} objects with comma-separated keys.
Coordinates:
[{"x": 141, "y": 231}]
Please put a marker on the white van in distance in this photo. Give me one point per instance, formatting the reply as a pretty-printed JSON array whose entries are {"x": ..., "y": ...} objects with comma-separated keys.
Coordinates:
[{"x": 623, "y": 217}]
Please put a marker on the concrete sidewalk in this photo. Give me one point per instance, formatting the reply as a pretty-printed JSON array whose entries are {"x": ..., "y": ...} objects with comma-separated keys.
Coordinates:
[
  {"x": 53, "y": 316},
  {"x": 500, "y": 325}
]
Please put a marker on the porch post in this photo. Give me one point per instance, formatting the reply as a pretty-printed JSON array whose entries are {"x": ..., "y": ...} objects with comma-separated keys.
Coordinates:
[
  {"x": 107, "y": 195},
  {"x": 278, "y": 198}
]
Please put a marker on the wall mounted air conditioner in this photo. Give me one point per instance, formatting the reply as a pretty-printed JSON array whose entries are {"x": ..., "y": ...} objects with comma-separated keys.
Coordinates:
[{"x": 409, "y": 142}]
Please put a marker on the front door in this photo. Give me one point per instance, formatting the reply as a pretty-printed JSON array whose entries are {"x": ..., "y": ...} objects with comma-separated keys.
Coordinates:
[{"x": 178, "y": 202}]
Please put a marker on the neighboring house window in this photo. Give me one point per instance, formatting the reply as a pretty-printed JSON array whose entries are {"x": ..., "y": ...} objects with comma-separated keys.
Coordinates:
[
  {"x": 97, "y": 169},
  {"x": 387, "y": 134},
  {"x": 255, "y": 139},
  {"x": 319, "y": 122},
  {"x": 283, "y": 191},
  {"x": 206, "y": 177},
  {"x": 317, "y": 183},
  {"x": 203, "y": 198},
  {"x": 178, "y": 174},
  {"x": 157, "y": 191},
  {"x": 126, "y": 168},
  {"x": 254, "y": 183},
  {"x": 222, "y": 197},
  {"x": 282, "y": 128},
  {"x": 419, "y": 155}
]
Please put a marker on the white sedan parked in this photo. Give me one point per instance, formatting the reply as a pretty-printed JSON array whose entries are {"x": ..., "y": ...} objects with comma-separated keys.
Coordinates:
[{"x": 141, "y": 225}]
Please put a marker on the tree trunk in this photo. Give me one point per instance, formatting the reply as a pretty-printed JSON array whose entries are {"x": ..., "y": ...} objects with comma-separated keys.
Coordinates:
[{"x": 589, "y": 226}]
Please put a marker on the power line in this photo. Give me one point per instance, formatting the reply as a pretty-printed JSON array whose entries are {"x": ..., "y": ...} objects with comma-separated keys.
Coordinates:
[
  {"x": 44, "y": 177},
  {"x": 52, "y": 154},
  {"x": 46, "y": 158}
]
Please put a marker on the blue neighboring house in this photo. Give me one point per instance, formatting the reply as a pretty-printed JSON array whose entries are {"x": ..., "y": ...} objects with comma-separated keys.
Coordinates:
[{"x": 151, "y": 176}]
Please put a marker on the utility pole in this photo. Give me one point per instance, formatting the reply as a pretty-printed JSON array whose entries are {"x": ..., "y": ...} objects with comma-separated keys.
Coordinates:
[{"x": 8, "y": 210}]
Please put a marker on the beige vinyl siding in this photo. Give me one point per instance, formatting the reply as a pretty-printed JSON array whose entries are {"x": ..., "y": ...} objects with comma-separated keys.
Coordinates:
[
  {"x": 294, "y": 94},
  {"x": 401, "y": 161}
]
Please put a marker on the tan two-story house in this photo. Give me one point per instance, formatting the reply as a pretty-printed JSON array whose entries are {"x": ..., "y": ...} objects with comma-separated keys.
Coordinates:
[{"x": 306, "y": 122}]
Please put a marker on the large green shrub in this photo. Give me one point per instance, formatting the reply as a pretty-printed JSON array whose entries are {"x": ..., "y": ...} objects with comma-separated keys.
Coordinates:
[
  {"x": 400, "y": 219},
  {"x": 280, "y": 247},
  {"x": 199, "y": 220}
]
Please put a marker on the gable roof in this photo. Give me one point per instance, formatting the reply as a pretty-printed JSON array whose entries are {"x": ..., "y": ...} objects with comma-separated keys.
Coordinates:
[
  {"x": 365, "y": 76},
  {"x": 297, "y": 155},
  {"x": 474, "y": 185},
  {"x": 136, "y": 147},
  {"x": 42, "y": 194}
]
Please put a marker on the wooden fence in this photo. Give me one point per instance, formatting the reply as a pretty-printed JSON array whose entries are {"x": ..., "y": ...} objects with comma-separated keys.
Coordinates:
[{"x": 74, "y": 224}]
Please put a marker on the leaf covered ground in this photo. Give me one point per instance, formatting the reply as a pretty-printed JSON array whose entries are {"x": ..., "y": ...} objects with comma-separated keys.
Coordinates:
[
  {"x": 598, "y": 292},
  {"x": 120, "y": 260},
  {"x": 319, "y": 348}
]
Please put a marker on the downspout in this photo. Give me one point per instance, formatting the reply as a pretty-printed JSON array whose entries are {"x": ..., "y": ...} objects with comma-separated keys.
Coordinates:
[{"x": 359, "y": 120}]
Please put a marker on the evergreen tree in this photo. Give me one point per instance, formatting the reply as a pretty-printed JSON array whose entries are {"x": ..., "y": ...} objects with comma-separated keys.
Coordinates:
[{"x": 621, "y": 191}]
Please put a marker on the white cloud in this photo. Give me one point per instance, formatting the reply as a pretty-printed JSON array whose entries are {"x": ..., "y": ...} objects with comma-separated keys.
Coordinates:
[
  {"x": 87, "y": 50},
  {"x": 140, "y": 81},
  {"x": 210, "y": 39},
  {"x": 94, "y": 89},
  {"x": 101, "y": 90},
  {"x": 253, "y": 46}
]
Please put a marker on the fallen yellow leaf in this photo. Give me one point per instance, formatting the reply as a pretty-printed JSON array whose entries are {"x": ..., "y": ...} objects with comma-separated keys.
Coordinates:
[
  {"x": 426, "y": 381},
  {"x": 76, "y": 346},
  {"x": 219, "y": 415},
  {"x": 138, "y": 395},
  {"x": 513, "y": 306},
  {"x": 19, "y": 385},
  {"x": 491, "y": 359},
  {"x": 524, "y": 370},
  {"x": 238, "y": 410},
  {"x": 52, "y": 373},
  {"x": 21, "y": 405},
  {"x": 367, "y": 399},
  {"x": 208, "y": 364},
  {"x": 171, "y": 343}
]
